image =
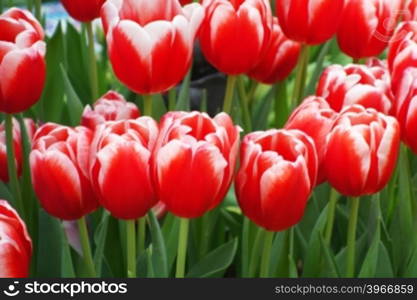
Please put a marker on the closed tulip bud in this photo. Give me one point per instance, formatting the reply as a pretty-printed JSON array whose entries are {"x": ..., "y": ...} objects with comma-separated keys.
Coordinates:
[
  {"x": 367, "y": 85},
  {"x": 310, "y": 22},
  {"x": 404, "y": 61},
  {"x": 15, "y": 244},
  {"x": 120, "y": 169},
  {"x": 404, "y": 34},
  {"x": 110, "y": 107},
  {"x": 367, "y": 26},
  {"x": 17, "y": 144},
  {"x": 59, "y": 164},
  {"x": 83, "y": 10},
  {"x": 315, "y": 118},
  {"x": 280, "y": 58},
  {"x": 276, "y": 177},
  {"x": 406, "y": 109},
  {"x": 22, "y": 64},
  {"x": 235, "y": 33},
  {"x": 362, "y": 151},
  {"x": 151, "y": 42},
  {"x": 195, "y": 161}
]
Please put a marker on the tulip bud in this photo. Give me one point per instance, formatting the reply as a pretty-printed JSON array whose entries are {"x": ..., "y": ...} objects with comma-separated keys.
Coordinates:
[
  {"x": 15, "y": 244},
  {"x": 367, "y": 26},
  {"x": 362, "y": 151},
  {"x": 367, "y": 85},
  {"x": 276, "y": 177},
  {"x": 280, "y": 58},
  {"x": 150, "y": 42},
  {"x": 194, "y": 161},
  {"x": 310, "y": 22},
  {"x": 315, "y": 118},
  {"x": 17, "y": 145},
  {"x": 120, "y": 168},
  {"x": 59, "y": 165},
  {"x": 22, "y": 64},
  {"x": 110, "y": 107},
  {"x": 403, "y": 35},
  {"x": 235, "y": 34},
  {"x": 83, "y": 10},
  {"x": 406, "y": 110}
]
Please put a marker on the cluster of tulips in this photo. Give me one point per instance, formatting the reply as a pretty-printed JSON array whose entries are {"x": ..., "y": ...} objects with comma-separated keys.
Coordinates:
[{"x": 120, "y": 159}]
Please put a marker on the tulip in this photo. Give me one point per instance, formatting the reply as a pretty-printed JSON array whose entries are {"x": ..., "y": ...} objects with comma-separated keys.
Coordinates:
[
  {"x": 367, "y": 85},
  {"x": 235, "y": 34},
  {"x": 15, "y": 244},
  {"x": 110, "y": 107},
  {"x": 280, "y": 58},
  {"x": 150, "y": 42},
  {"x": 185, "y": 2},
  {"x": 367, "y": 26},
  {"x": 59, "y": 163},
  {"x": 22, "y": 64},
  {"x": 120, "y": 168},
  {"x": 276, "y": 177},
  {"x": 404, "y": 35},
  {"x": 83, "y": 10},
  {"x": 202, "y": 152},
  {"x": 315, "y": 118},
  {"x": 409, "y": 11},
  {"x": 309, "y": 22},
  {"x": 406, "y": 109},
  {"x": 362, "y": 150},
  {"x": 17, "y": 143}
]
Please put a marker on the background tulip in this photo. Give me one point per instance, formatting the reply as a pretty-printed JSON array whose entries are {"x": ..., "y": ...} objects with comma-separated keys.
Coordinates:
[
  {"x": 110, "y": 107},
  {"x": 310, "y": 22},
  {"x": 315, "y": 118},
  {"x": 17, "y": 143},
  {"x": 83, "y": 10},
  {"x": 367, "y": 85},
  {"x": 362, "y": 151},
  {"x": 59, "y": 166},
  {"x": 150, "y": 52},
  {"x": 280, "y": 58},
  {"x": 406, "y": 109},
  {"x": 403, "y": 35},
  {"x": 15, "y": 244},
  {"x": 120, "y": 168},
  {"x": 235, "y": 34},
  {"x": 409, "y": 11},
  {"x": 367, "y": 26},
  {"x": 22, "y": 65},
  {"x": 202, "y": 152},
  {"x": 276, "y": 177}
]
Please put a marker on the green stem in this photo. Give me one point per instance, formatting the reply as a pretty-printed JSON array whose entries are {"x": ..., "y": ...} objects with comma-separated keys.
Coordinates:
[
  {"x": 281, "y": 105},
  {"x": 147, "y": 105},
  {"x": 266, "y": 254},
  {"x": 131, "y": 248},
  {"x": 12, "y": 170},
  {"x": 256, "y": 250},
  {"x": 351, "y": 237},
  {"x": 356, "y": 61},
  {"x": 93, "y": 62},
  {"x": 141, "y": 235},
  {"x": 244, "y": 102},
  {"x": 172, "y": 97},
  {"x": 85, "y": 244},
  {"x": 182, "y": 248},
  {"x": 300, "y": 79},
  {"x": 228, "y": 97},
  {"x": 29, "y": 4},
  {"x": 38, "y": 10},
  {"x": 334, "y": 196}
]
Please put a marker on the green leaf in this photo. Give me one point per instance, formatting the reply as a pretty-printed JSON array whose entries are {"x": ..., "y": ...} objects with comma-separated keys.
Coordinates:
[
  {"x": 217, "y": 260},
  {"x": 183, "y": 101},
  {"x": 5, "y": 193},
  {"x": 384, "y": 265},
  {"x": 75, "y": 107},
  {"x": 49, "y": 246},
  {"x": 170, "y": 232},
  {"x": 261, "y": 112},
  {"x": 100, "y": 241},
  {"x": 318, "y": 68},
  {"x": 159, "y": 108},
  {"x": 67, "y": 267},
  {"x": 330, "y": 269},
  {"x": 159, "y": 253}
]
